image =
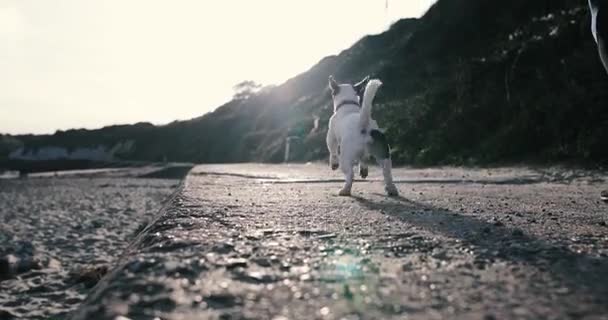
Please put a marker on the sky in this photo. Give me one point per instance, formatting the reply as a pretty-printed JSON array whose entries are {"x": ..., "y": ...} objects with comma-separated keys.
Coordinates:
[{"x": 86, "y": 64}]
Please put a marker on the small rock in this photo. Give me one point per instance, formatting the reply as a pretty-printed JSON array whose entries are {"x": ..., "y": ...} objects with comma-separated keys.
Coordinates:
[
  {"x": 603, "y": 223},
  {"x": 262, "y": 262},
  {"x": 347, "y": 293},
  {"x": 89, "y": 275},
  {"x": 96, "y": 224},
  {"x": 53, "y": 264},
  {"x": 236, "y": 263},
  {"x": 441, "y": 255},
  {"x": 171, "y": 266},
  {"x": 259, "y": 277},
  {"x": 223, "y": 248},
  {"x": 327, "y": 236},
  {"x": 518, "y": 233},
  {"x": 324, "y": 311},
  {"x": 499, "y": 224}
]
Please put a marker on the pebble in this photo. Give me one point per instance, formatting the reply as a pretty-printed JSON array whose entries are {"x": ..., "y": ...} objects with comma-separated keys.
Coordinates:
[
  {"x": 324, "y": 311},
  {"x": 236, "y": 263}
]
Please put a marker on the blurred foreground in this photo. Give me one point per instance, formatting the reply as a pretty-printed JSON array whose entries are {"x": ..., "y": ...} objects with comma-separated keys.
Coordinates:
[{"x": 60, "y": 232}]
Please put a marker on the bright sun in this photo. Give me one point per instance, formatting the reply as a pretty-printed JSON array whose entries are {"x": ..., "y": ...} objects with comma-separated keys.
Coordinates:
[{"x": 84, "y": 63}]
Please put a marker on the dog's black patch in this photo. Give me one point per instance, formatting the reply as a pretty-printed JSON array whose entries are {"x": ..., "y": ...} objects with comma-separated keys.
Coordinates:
[
  {"x": 379, "y": 147},
  {"x": 363, "y": 172},
  {"x": 360, "y": 87}
]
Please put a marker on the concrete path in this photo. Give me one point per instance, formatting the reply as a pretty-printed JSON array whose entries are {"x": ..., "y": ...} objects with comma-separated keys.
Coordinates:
[{"x": 276, "y": 242}]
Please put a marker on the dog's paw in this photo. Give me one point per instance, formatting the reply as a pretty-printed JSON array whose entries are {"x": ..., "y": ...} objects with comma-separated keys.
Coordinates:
[
  {"x": 391, "y": 190},
  {"x": 363, "y": 172},
  {"x": 344, "y": 192},
  {"x": 334, "y": 163}
]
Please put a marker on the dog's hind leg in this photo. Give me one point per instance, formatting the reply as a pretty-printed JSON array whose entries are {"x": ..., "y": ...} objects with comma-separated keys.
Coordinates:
[
  {"x": 347, "y": 162},
  {"x": 380, "y": 149},
  {"x": 333, "y": 147},
  {"x": 363, "y": 167}
]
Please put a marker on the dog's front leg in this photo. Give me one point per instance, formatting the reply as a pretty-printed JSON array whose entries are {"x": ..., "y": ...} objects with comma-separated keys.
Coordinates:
[
  {"x": 380, "y": 149},
  {"x": 389, "y": 186},
  {"x": 333, "y": 146}
]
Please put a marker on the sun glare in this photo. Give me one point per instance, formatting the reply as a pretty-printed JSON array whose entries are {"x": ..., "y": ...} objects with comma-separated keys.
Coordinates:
[{"x": 76, "y": 63}]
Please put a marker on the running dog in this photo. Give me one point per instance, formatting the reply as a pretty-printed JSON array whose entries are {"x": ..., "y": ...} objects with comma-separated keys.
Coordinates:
[{"x": 353, "y": 135}]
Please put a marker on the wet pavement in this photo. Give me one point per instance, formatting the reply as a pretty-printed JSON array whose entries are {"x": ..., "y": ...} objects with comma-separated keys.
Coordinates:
[{"x": 276, "y": 242}]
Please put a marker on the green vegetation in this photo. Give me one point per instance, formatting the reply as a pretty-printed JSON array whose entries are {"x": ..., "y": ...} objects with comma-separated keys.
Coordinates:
[{"x": 472, "y": 82}]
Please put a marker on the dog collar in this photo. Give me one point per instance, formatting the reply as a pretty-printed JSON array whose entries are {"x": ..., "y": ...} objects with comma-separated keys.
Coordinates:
[{"x": 347, "y": 102}]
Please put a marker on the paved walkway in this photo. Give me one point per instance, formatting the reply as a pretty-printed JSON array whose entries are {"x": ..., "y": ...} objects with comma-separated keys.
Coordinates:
[{"x": 275, "y": 242}]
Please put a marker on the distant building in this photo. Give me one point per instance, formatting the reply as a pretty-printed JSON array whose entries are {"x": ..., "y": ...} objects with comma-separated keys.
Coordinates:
[{"x": 59, "y": 153}]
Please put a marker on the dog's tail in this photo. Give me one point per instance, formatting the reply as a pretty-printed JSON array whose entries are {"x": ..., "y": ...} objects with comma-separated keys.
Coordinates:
[{"x": 368, "y": 98}]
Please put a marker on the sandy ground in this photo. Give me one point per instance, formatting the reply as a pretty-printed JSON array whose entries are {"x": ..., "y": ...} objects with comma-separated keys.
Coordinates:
[
  {"x": 275, "y": 242},
  {"x": 58, "y": 234}
]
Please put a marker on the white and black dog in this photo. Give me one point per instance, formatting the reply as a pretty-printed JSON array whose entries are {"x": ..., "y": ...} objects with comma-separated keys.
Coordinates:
[
  {"x": 353, "y": 135},
  {"x": 599, "y": 28}
]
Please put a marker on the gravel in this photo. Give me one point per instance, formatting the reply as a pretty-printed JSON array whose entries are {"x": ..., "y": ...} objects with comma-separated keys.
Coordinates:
[
  {"x": 275, "y": 242},
  {"x": 59, "y": 236}
]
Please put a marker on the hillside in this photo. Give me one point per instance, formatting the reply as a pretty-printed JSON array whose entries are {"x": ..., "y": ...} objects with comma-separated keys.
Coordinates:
[
  {"x": 470, "y": 82},
  {"x": 486, "y": 81}
]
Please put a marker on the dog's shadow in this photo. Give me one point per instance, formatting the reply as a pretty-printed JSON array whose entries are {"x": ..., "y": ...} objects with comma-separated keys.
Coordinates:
[{"x": 577, "y": 271}]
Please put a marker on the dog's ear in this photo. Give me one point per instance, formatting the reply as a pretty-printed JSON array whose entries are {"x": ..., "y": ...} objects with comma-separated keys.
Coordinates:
[
  {"x": 360, "y": 86},
  {"x": 333, "y": 85}
]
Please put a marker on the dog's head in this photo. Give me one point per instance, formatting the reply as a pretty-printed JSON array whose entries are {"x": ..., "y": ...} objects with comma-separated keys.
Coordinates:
[{"x": 347, "y": 92}]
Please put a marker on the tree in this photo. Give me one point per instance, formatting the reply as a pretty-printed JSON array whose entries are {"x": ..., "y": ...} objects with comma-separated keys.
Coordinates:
[{"x": 245, "y": 89}]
